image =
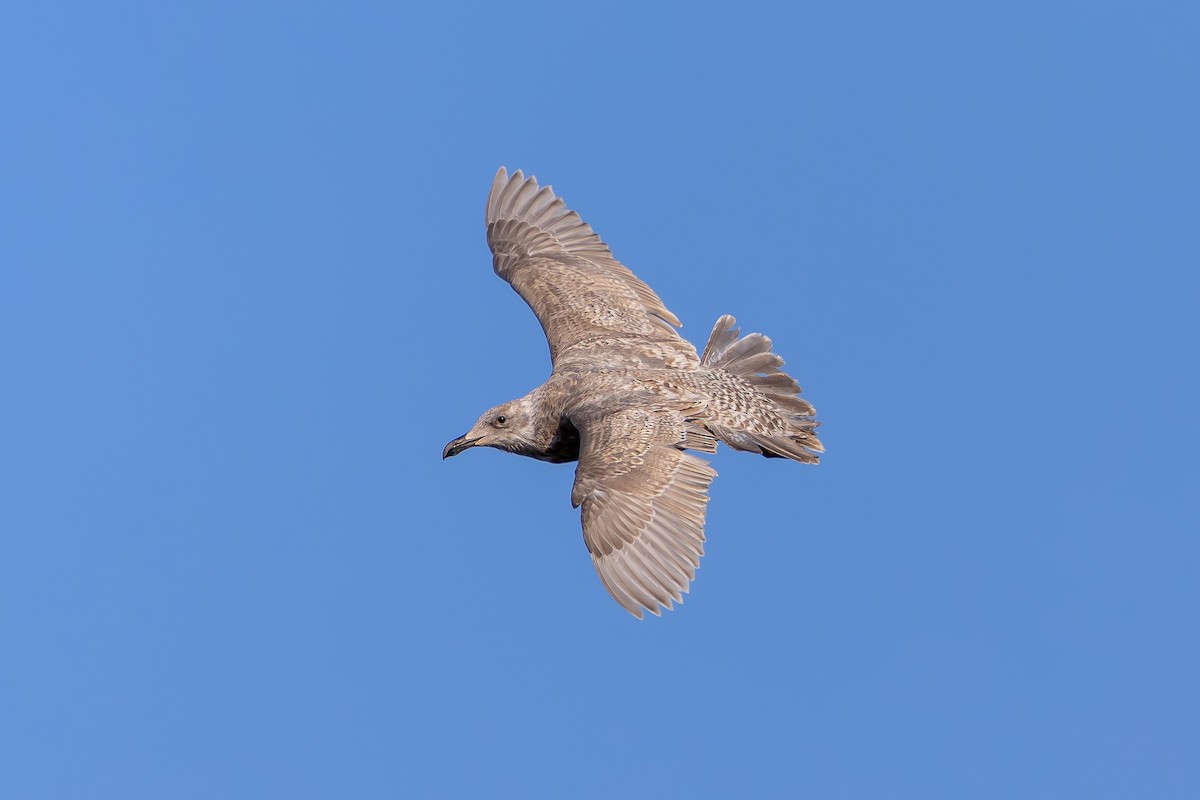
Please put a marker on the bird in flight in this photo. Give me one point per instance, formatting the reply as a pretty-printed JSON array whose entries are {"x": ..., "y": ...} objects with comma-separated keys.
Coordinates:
[{"x": 628, "y": 398}]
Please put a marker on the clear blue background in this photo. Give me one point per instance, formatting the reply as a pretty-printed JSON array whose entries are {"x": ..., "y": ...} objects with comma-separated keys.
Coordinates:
[{"x": 245, "y": 299}]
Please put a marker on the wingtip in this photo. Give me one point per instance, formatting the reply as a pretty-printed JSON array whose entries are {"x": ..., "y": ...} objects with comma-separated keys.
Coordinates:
[
  {"x": 507, "y": 189},
  {"x": 504, "y": 176},
  {"x": 501, "y": 177}
]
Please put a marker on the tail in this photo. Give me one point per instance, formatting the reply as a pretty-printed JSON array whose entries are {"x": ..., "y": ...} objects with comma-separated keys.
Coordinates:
[{"x": 774, "y": 421}]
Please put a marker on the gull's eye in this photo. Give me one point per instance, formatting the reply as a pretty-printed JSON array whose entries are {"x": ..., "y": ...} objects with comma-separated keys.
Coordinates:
[{"x": 501, "y": 419}]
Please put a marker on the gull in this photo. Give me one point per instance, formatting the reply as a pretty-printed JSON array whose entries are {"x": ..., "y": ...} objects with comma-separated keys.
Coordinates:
[{"x": 628, "y": 398}]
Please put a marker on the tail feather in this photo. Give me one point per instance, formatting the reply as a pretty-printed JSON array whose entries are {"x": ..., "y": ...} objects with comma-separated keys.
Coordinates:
[{"x": 789, "y": 431}]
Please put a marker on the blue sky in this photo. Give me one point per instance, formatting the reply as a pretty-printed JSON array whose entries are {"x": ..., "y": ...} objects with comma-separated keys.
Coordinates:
[{"x": 245, "y": 298}]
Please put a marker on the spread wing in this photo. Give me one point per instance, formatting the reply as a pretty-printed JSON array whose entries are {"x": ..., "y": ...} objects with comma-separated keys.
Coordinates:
[
  {"x": 643, "y": 505},
  {"x": 594, "y": 311}
]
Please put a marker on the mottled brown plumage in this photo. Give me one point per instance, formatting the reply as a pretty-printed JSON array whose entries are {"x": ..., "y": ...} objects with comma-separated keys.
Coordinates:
[{"x": 628, "y": 396}]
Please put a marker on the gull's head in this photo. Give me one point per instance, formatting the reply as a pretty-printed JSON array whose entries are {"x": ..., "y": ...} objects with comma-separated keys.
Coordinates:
[{"x": 507, "y": 427}]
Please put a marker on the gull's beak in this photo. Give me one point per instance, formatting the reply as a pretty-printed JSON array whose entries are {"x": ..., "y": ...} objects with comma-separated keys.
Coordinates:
[{"x": 458, "y": 445}]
